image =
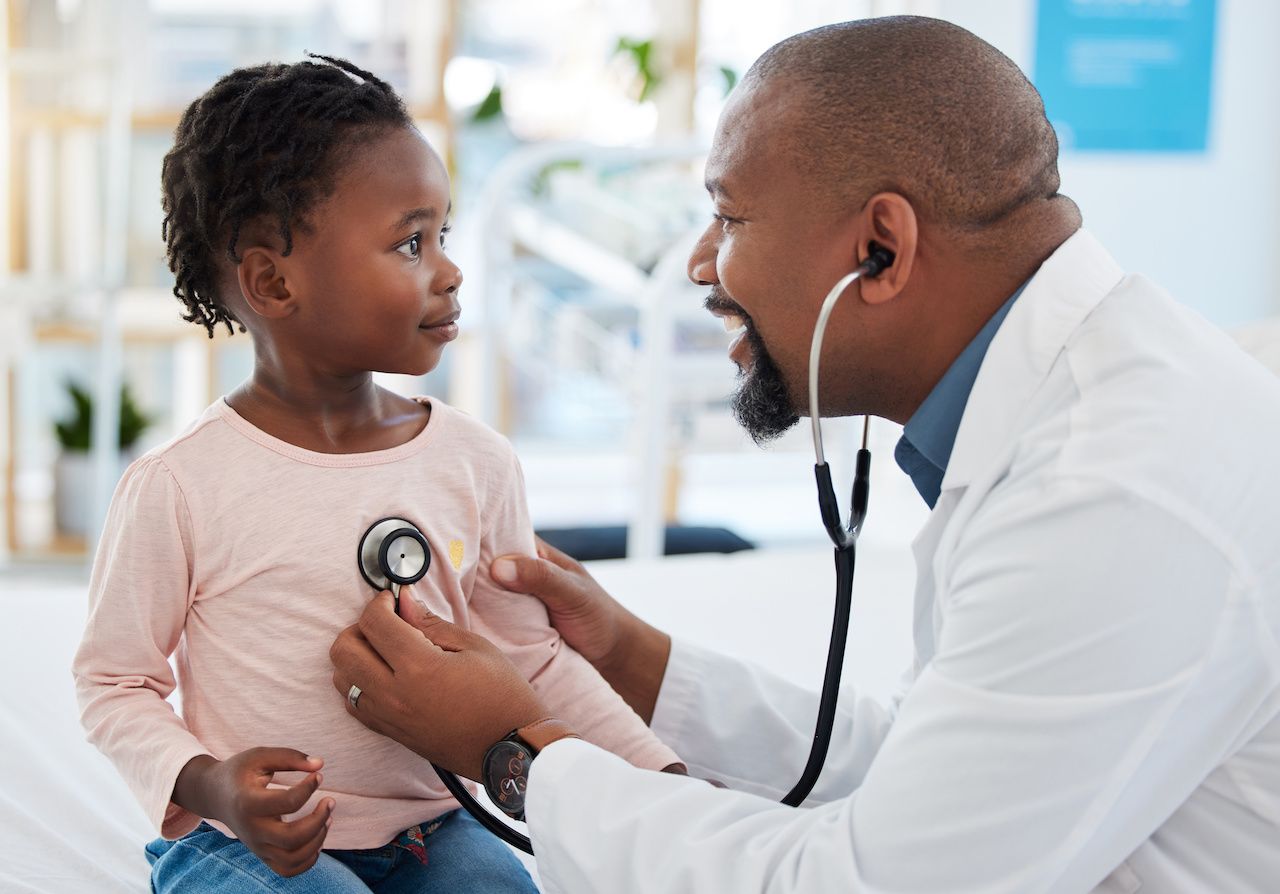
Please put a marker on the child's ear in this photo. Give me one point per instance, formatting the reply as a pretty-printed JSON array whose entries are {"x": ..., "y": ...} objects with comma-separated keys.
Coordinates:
[{"x": 263, "y": 284}]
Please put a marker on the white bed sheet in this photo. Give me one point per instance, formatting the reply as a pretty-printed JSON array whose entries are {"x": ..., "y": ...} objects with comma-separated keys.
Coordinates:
[{"x": 69, "y": 824}]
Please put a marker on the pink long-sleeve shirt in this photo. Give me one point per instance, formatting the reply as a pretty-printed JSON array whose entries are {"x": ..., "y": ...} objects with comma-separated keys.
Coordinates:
[{"x": 235, "y": 553}]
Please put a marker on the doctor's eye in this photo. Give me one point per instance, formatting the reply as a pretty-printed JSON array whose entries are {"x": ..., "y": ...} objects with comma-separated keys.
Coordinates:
[
  {"x": 411, "y": 247},
  {"x": 725, "y": 221}
]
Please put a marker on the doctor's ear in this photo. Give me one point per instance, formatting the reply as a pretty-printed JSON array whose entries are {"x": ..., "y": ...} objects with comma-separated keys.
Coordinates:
[
  {"x": 263, "y": 284},
  {"x": 889, "y": 239}
]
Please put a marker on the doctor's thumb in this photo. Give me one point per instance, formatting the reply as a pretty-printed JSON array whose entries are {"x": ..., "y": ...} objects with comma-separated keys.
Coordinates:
[
  {"x": 539, "y": 577},
  {"x": 414, "y": 610},
  {"x": 519, "y": 573}
]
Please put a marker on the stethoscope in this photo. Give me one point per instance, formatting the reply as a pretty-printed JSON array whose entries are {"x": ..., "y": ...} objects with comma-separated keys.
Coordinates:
[{"x": 394, "y": 553}]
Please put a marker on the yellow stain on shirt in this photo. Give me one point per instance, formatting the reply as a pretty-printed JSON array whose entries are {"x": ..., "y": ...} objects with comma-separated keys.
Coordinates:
[{"x": 455, "y": 554}]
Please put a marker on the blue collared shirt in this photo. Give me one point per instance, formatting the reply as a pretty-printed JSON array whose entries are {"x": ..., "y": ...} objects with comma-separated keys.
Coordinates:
[{"x": 925, "y": 447}]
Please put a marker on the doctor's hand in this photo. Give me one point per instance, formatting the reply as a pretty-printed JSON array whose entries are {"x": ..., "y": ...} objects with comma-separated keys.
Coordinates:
[
  {"x": 629, "y": 653},
  {"x": 441, "y": 691}
]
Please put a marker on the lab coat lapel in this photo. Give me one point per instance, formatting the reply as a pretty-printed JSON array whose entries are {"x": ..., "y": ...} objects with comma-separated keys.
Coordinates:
[
  {"x": 925, "y": 620},
  {"x": 1066, "y": 288}
]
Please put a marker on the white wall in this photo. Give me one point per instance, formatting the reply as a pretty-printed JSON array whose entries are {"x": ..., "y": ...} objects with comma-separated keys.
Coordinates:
[{"x": 1206, "y": 227}]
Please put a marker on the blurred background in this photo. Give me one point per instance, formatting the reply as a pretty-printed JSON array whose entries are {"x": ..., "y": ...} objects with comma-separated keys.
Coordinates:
[{"x": 575, "y": 131}]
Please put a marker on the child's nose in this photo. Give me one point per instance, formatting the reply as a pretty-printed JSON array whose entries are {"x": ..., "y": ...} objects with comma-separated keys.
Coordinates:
[{"x": 452, "y": 281}]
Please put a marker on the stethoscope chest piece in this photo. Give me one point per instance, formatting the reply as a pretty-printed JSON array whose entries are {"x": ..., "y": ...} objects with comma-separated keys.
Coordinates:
[{"x": 393, "y": 553}]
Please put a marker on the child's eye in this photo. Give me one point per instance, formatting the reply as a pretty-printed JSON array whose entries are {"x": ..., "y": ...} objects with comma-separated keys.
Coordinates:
[
  {"x": 444, "y": 231},
  {"x": 411, "y": 248}
]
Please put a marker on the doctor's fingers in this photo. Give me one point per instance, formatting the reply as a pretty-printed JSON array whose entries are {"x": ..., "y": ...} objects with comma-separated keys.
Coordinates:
[
  {"x": 445, "y": 634},
  {"x": 355, "y": 661},
  {"x": 392, "y": 638},
  {"x": 375, "y": 706},
  {"x": 558, "y": 558}
]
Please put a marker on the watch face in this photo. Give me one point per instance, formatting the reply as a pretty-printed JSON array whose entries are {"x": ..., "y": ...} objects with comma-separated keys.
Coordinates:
[{"x": 506, "y": 775}]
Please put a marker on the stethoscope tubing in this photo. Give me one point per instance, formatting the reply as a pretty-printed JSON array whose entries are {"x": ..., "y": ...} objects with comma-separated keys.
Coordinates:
[
  {"x": 844, "y": 537},
  {"x": 482, "y": 816}
]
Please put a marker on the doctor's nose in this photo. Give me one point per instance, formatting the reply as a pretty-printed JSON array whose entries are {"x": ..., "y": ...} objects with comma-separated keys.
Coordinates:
[{"x": 702, "y": 261}]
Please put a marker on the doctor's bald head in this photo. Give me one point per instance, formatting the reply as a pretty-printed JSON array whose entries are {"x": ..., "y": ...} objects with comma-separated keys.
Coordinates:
[
  {"x": 906, "y": 132},
  {"x": 911, "y": 105}
]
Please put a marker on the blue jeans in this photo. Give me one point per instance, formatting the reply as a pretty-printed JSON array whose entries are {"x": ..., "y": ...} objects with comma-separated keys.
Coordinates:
[{"x": 449, "y": 854}]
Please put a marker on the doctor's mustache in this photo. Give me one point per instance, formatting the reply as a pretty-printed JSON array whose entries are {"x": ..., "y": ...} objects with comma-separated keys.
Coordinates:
[{"x": 717, "y": 300}]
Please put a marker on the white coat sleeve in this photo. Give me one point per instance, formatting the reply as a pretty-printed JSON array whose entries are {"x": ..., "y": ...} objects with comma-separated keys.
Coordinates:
[
  {"x": 1033, "y": 754},
  {"x": 741, "y": 725}
]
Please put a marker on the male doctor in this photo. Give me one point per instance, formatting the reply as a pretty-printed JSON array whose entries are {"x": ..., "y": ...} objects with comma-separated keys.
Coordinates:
[{"x": 1095, "y": 701}]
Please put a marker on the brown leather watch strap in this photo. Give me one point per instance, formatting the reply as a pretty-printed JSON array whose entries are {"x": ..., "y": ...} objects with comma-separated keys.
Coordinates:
[{"x": 541, "y": 733}]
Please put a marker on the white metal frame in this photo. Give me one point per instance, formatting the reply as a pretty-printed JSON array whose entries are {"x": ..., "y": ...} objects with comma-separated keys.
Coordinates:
[{"x": 507, "y": 222}]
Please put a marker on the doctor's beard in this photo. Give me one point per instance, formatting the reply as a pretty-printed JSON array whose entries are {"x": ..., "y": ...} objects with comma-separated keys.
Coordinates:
[{"x": 762, "y": 404}]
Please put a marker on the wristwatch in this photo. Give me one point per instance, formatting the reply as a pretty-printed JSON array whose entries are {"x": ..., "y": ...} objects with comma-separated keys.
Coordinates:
[{"x": 505, "y": 771}]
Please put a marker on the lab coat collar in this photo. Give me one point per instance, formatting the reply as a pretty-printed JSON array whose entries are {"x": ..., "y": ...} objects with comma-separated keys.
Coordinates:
[{"x": 1066, "y": 288}]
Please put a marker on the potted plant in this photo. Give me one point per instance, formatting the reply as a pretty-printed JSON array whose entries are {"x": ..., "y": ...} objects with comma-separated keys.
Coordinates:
[{"x": 73, "y": 473}]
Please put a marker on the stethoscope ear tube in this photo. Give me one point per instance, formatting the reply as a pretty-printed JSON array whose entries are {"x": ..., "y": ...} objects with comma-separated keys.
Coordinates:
[
  {"x": 861, "y": 491},
  {"x": 844, "y": 535},
  {"x": 827, "y": 504}
]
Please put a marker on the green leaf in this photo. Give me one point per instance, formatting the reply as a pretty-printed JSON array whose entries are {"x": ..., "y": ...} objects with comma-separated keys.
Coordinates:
[
  {"x": 641, "y": 53},
  {"x": 76, "y": 432},
  {"x": 491, "y": 107},
  {"x": 730, "y": 78}
]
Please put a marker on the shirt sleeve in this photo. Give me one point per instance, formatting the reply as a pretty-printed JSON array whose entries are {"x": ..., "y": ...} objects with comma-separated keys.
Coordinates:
[
  {"x": 752, "y": 730},
  {"x": 139, "y": 593},
  {"x": 1094, "y": 666},
  {"x": 519, "y": 625}
]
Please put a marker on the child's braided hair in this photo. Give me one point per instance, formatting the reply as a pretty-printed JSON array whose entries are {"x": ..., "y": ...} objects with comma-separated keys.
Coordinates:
[{"x": 263, "y": 142}]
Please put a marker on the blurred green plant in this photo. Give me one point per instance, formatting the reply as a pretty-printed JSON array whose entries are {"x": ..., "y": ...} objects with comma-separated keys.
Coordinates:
[
  {"x": 730, "y": 78},
  {"x": 76, "y": 431},
  {"x": 641, "y": 54},
  {"x": 491, "y": 107},
  {"x": 542, "y": 180}
]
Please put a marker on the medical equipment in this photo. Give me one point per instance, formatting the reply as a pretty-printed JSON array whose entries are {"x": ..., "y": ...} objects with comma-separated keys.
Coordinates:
[
  {"x": 393, "y": 551},
  {"x": 844, "y": 537},
  {"x": 393, "y": 554}
]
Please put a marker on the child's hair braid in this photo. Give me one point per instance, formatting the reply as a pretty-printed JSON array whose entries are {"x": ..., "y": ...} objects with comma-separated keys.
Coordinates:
[{"x": 263, "y": 142}]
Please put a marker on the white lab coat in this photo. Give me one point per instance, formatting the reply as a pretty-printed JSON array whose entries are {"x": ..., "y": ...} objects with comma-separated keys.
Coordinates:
[{"x": 1095, "y": 702}]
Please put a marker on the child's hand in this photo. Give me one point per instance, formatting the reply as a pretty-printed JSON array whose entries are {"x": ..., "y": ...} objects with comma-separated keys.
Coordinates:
[{"x": 235, "y": 792}]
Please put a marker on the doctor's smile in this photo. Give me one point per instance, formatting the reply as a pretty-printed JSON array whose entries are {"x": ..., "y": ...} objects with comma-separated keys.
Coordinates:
[
  {"x": 736, "y": 323},
  {"x": 1092, "y": 697}
]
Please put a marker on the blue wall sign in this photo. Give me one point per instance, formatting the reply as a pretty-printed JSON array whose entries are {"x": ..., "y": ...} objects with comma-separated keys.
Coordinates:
[{"x": 1126, "y": 74}]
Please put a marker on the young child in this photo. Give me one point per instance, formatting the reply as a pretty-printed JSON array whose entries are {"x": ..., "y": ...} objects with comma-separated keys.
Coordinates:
[{"x": 302, "y": 204}]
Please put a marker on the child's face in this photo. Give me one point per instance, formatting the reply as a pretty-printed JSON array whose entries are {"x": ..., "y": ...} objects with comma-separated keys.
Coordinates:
[{"x": 375, "y": 289}]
